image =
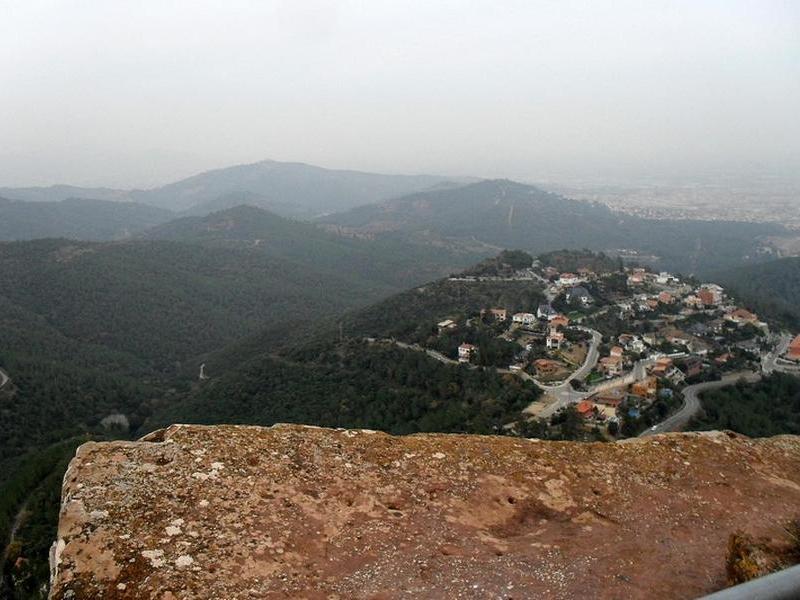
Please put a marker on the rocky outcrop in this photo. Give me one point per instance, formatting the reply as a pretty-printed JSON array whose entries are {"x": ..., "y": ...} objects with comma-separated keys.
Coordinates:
[{"x": 292, "y": 511}]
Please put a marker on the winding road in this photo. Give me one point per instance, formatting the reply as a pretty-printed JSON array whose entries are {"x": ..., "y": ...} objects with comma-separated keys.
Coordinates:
[
  {"x": 563, "y": 390},
  {"x": 691, "y": 402}
]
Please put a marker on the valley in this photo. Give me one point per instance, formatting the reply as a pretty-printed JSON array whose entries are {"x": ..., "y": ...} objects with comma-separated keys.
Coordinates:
[{"x": 404, "y": 316}]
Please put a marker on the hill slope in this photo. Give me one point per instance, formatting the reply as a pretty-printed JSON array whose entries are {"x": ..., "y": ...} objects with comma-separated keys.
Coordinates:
[
  {"x": 512, "y": 215},
  {"x": 331, "y": 376},
  {"x": 165, "y": 301},
  {"x": 392, "y": 262},
  {"x": 771, "y": 288},
  {"x": 76, "y": 218},
  {"x": 88, "y": 329}
]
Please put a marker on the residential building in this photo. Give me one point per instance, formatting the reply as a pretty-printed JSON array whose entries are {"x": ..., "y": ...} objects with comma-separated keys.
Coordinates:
[
  {"x": 662, "y": 367},
  {"x": 579, "y": 295},
  {"x": 651, "y": 339},
  {"x": 585, "y": 409},
  {"x": 612, "y": 397},
  {"x": 499, "y": 314},
  {"x": 446, "y": 325},
  {"x": 741, "y": 316},
  {"x": 568, "y": 279},
  {"x": 692, "y": 366},
  {"x": 611, "y": 365},
  {"x": 554, "y": 340},
  {"x": 466, "y": 352},
  {"x": 793, "y": 352},
  {"x": 694, "y": 301},
  {"x": 546, "y": 366},
  {"x": 646, "y": 388},
  {"x": 545, "y": 311},
  {"x": 525, "y": 319},
  {"x": 710, "y": 294},
  {"x": 666, "y": 298},
  {"x": 637, "y": 277},
  {"x": 631, "y": 343}
]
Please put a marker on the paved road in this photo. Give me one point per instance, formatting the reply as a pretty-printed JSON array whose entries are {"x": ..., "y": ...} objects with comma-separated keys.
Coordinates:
[
  {"x": 769, "y": 361},
  {"x": 564, "y": 388},
  {"x": 564, "y": 392},
  {"x": 691, "y": 402}
]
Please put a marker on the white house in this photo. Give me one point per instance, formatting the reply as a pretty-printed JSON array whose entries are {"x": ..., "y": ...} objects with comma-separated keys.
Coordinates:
[
  {"x": 446, "y": 325},
  {"x": 526, "y": 319},
  {"x": 465, "y": 352},
  {"x": 554, "y": 340},
  {"x": 568, "y": 279},
  {"x": 545, "y": 311}
]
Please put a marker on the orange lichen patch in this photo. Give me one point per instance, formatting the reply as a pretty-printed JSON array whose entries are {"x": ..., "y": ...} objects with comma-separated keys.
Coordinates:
[{"x": 305, "y": 512}]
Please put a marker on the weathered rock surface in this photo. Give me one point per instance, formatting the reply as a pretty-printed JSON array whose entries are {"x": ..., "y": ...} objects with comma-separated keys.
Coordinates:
[{"x": 291, "y": 511}]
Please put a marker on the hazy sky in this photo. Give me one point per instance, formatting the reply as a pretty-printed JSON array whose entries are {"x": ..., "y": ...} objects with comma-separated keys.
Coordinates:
[{"x": 140, "y": 93}]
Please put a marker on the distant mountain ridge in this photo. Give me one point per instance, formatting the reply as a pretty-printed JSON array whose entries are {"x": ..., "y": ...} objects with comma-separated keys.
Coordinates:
[
  {"x": 422, "y": 212},
  {"x": 294, "y": 189},
  {"x": 508, "y": 214},
  {"x": 76, "y": 218},
  {"x": 56, "y": 193}
]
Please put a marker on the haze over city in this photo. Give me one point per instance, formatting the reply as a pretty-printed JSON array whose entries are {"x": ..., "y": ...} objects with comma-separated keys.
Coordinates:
[{"x": 140, "y": 94}]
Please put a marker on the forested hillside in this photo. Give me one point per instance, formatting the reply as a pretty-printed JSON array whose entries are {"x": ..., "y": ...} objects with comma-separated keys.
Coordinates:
[
  {"x": 513, "y": 215},
  {"x": 163, "y": 302},
  {"x": 94, "y": 336},
  {"x": 91, "y": 330},
  {"x": 77, "y": 219},
  {"x": 330, "y": 375},
  {"x": 771, "y": 288},
  {"x": 395, "y": 263},
  {"x": 768, "y": 407}
]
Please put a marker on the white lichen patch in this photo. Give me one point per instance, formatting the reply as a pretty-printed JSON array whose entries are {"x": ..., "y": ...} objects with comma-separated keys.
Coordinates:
[
  {"x": 156, "y": 557},
  {"x": 184, "y": 561}
]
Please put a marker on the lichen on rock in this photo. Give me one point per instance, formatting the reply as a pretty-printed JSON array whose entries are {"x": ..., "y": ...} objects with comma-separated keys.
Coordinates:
[{"x": 294, "y": 511}]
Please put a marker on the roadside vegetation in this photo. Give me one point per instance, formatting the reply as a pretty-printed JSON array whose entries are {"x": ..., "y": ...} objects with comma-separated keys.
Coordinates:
[{"x": 768, "y": 407}]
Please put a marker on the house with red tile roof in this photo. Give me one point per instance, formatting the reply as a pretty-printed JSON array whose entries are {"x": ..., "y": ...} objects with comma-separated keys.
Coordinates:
[
  {"x": 793, "y": 352},
  {"x": 611, "y": 365},
  {"x": 585, "y": 409},
  {"x": 741, "y": 316}
]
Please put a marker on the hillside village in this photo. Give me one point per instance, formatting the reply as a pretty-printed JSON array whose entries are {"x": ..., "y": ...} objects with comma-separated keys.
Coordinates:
[{"x": 612, "y": 348}]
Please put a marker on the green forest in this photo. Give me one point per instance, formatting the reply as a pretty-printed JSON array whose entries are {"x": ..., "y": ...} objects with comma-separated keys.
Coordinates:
[
  {"x": 105, "y": 340},
  {"x": 768, "y": 407},
  {"x": 771, "y": 288}
]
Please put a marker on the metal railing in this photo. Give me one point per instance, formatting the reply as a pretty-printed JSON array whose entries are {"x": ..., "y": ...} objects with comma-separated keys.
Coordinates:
[{"x": 783, "y": 585}]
